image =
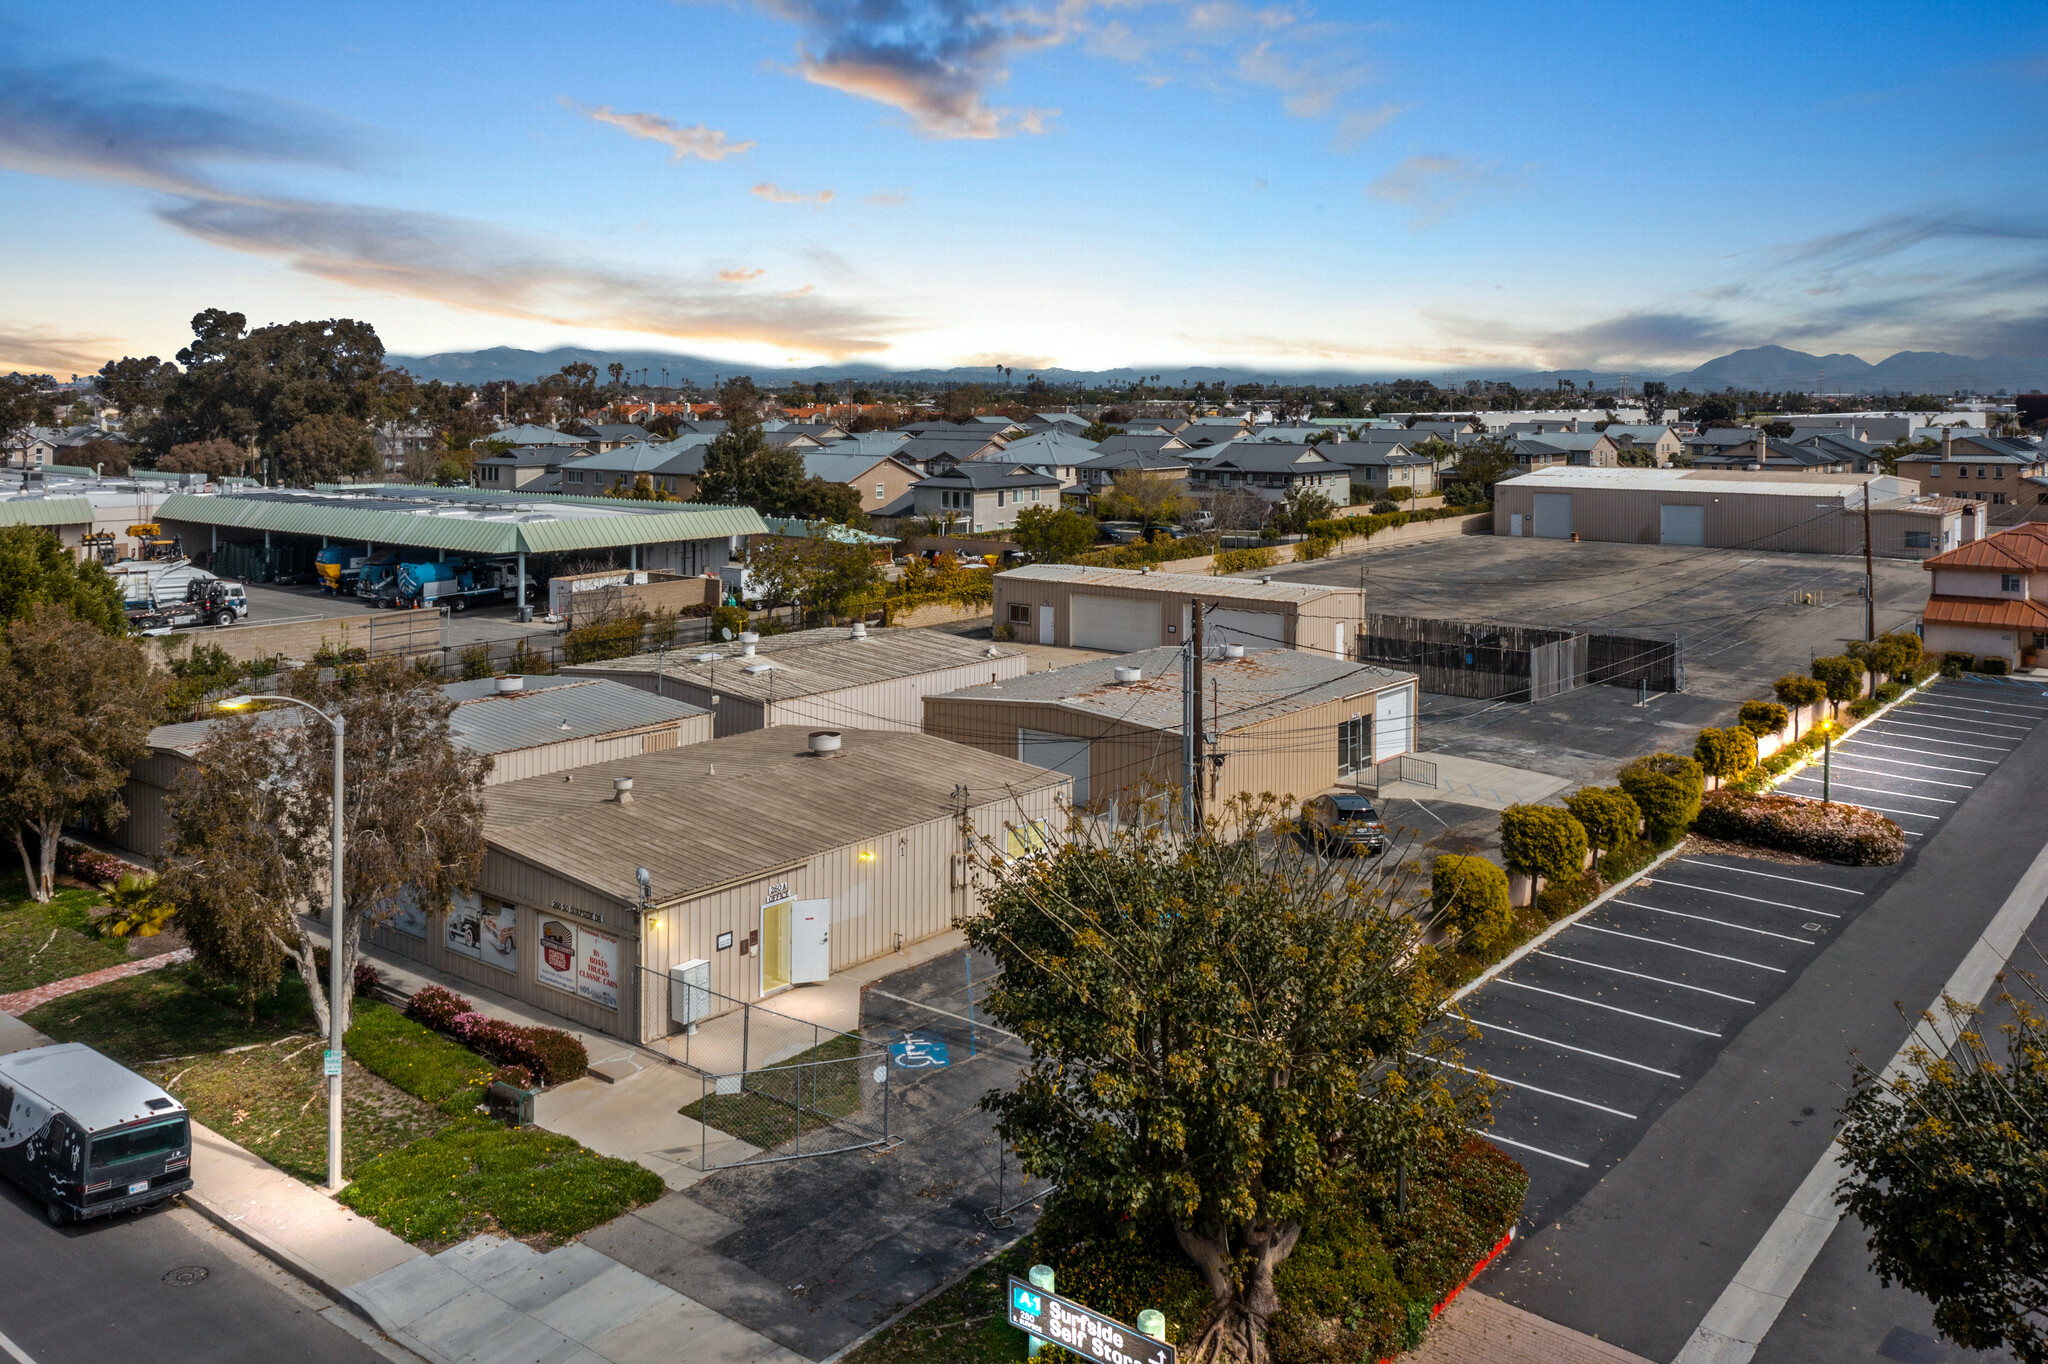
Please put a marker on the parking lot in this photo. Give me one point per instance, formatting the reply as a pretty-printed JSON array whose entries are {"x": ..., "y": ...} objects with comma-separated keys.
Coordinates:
[{"x": 1592, "y": 1035}]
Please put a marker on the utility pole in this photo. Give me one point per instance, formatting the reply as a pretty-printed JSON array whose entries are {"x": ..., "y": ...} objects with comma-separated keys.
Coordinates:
[
  {"x": 1196, "y": 750},
  {"x": 1869, "y": 572}
]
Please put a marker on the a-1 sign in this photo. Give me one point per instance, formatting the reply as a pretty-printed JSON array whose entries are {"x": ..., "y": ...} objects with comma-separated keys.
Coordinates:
[{"x": 1087, "y": 1333}]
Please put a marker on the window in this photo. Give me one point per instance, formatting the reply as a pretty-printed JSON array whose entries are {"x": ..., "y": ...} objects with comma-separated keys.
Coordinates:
[
  {"x": 1980, "y": 471},
  {"x": 1998, "y": 472},
  {"x": 1354, "y": 745},
  {"x": 138, "y": 1143},
  {"x": 1020, "y": 613},
  {"x": 999, "y": 496},
  {"x": 1934, "y": 471},
  {"x": 2009, "y": 582},
  {"x": 1919, "y": 539},
  {"x": 880, "y": 492}
]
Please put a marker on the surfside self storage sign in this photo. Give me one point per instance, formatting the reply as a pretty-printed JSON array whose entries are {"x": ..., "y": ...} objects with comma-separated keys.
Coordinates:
[{"x": 1089, "y": 1334}]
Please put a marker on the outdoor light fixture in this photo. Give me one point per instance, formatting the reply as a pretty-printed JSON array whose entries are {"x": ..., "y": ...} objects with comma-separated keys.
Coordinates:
[{"x": 867, "y": 855}]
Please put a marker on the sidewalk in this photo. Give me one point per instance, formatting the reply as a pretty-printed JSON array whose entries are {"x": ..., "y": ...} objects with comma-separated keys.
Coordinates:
[{"x": 1476, "y": 1329}]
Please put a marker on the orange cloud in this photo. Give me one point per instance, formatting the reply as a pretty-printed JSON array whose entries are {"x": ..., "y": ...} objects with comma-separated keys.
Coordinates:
[
  {"x": 740, "y": 276},
  {"x": 776, "y": 194},
  {"x": 698, "y": 140}
]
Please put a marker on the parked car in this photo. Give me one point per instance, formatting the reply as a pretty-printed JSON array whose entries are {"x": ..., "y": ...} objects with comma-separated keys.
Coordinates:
[
  {"x": 87, "y": 1137},
  {"x": 1342, "y": 826}
]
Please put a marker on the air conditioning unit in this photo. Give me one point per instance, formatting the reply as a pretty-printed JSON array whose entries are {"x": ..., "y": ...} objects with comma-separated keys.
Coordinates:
[{"x": 689, "y": 993}]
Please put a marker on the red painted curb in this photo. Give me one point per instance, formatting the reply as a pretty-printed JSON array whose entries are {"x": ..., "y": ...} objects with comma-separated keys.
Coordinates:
[{"x": 1484, "y": 1261}]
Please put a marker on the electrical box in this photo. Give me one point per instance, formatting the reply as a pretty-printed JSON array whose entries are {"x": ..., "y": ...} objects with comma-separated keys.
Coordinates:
[
  {"x": 510, "y": 1103},
  {"x": 689, "y": 992}
]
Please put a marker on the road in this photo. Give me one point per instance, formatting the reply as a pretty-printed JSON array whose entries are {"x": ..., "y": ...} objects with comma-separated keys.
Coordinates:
[
  {"x": 108, "y": 1290},
  {"x": 1661, "y": 1162}
]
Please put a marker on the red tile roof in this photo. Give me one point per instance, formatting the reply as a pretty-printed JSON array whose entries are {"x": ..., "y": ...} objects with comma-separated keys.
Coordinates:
[
  {"x": 2007, "y": 613},
  {"x": 2021, "y": 549}
]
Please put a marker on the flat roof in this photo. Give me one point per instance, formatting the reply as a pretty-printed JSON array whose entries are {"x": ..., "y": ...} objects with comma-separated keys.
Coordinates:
[
  {"x": 466, "y": 520},
  {"x": 710, "y": 814},
  {"x": 1262, "y": 685},
  {"x": 808, "y": 662},
  {"x": 1715, "y": 481},
  {"x": 1192, "y": 584}
]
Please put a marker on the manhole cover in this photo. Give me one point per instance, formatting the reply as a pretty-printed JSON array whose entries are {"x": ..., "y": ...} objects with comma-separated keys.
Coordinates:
[{"x": 186, "y": 1276}]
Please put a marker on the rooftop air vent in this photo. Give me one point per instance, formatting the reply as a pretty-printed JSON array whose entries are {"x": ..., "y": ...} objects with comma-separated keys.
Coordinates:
[
  {"x": 1126, "y": 676},
  {"x": 826, "y": 742},
  {"x": 750, "y": 636},
  {"x": 622, "y": 790},
  {"x": 1233, "y": 651},
  {"x": 514, "y": 683},
  {"x": 746, "y": 647},
  {"x": 860, "y": 630},
  {"x": 756, "y": 669},
  {"x": 709, "y": 658}
]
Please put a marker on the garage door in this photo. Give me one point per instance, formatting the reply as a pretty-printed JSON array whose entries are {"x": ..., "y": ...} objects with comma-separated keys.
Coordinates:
[
  {"x": 1554, "y": 516},
  {"x": 1123, "y": 624},
  {"x": 1253, "y": 629},
  {"x": 1060, "y": 753},
  {"x": 1393, "y": 723},
  {"x": 1682, "y": 525}
]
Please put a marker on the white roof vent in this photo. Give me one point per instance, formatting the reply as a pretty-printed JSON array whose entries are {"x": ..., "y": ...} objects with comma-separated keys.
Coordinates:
[
  {"x": 1233, "y": 651},
  {"x": 622, "y": 790},
  {"x": 1126, "y": 676},
  {"x": 756, "y": 669},
  {"x": 826, "y": 741},
  {"x": 514, "y": 683},
  {"x": 750, "y": 636},
  {"x": 860, "y": 630},
  {"x": 746, "y": 647}
]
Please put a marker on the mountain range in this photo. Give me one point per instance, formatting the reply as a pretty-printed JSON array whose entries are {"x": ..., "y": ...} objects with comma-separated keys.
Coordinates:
[{"x": 1760, "y": 367}]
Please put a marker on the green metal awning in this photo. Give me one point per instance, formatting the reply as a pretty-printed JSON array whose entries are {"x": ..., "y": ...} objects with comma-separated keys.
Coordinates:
[{"x": 45, "y": 511}]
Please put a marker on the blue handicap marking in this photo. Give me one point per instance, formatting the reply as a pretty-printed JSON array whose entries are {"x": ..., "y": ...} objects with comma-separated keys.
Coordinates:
[
  {"x": 919, "y": 1049},
  {"x": 1028, "y": 1302}
]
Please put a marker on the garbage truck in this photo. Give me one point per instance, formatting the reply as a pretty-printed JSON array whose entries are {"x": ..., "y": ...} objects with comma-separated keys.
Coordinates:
[{"x": 453, "y": 583}]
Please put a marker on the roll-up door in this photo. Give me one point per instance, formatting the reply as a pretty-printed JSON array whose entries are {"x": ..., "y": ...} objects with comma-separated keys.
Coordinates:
[
  {"x": 1059, "y": 752},
  {"x": 1680, "y": 525},
  {"x": 1123, "y": 624},
  {"x": 1253, "y": 629},
  {"x": 1554, "y": 516},
  {"x": 1393, "y": 723}
]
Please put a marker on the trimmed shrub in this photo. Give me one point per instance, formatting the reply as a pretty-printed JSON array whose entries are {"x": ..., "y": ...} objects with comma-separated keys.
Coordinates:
[
  {"x": 1841, "y": 675},
  {"x": 1542, "y": 840},
  {"x": 1796, "y": 691},
  {"x": 1565, "y": 897},
  {"x": 1892, "y": 655},
  {"x": 1608, "y": 814},
  {"x": 731, "y": 618},
  {"x": 1470, "y": 894},
  {"x": 1955, "y": 663},
  {"x": 549, "y": 1053},
  {"x": 75, "y": 859},
  {"x": 1889, "y": 692},
  {"x": 1242, "y": 561},
  {"x": 1725, "y": 753},
  {"x": 618, "y": 637},
  {"x": 1667, "y": 787},
  {"x": 1763, "y": 717},
  {"x": 1864, "y": 708},
  {"x": 1994, "y": 665},
  {"x": 1381, "y": 506},
  {"x": 1315, "y": 547},
  {"x": 435, "y": 1007},
  {"x": 1848, "y": 834}
]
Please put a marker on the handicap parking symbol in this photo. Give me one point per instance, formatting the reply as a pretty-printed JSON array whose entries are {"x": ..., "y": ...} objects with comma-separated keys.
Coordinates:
[{"x": 919, "y": 1049}]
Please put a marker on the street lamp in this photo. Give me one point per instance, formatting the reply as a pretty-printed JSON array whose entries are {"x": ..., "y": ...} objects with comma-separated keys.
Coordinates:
[{"x": 339, "y": 725}]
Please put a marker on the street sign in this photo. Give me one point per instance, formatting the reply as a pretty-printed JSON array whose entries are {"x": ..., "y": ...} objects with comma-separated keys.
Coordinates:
[
  {"x": 1087, "y": 1333},
  {"x": 333, "y": 1062}
]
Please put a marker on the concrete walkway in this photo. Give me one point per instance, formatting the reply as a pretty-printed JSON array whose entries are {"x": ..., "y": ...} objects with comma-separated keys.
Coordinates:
[
  {"x": 1476, "y": 1329},
  {"x": 21, "y": 1001},
  {"x": 1470, "y": 781}
]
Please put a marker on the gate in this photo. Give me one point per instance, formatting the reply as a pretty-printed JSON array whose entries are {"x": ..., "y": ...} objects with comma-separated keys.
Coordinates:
[{"x": 832, "y": 1098}]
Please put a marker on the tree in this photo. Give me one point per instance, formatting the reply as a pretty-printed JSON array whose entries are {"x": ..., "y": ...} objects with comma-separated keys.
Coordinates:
[
  {"x": 1725, "y": 754},
  {"x": 323, "y": 449},
  {"x": 1219, "y": 1027},
  {"x": 1893, "y": 655},
  {"x": 214, "y": 458},
  {"x": 1098, "y": 431},
  {"x": 1841, "y": 676},
  {"x": 76, "y": 708},
  {"x": 1764, "y": 717},
  {"x": 1654, "y": 392},
  {"x": 1238, "y": 509},
  {"x": 818, "y": 571},
  {"x": 1302, "y": 508},
  {"x": 1667, "y": 788},
  {"x": 1470, "y": 895},
  {"x": 107, "y": 456},
  {"x": 1053, "y": 535},
  {"x": 821, "y": 499},
  {"x": 1145, "y": 496},
  {"x": 1543, "y": 841},
  {"x": 36, "y": 569},
  {"x": 249, "y": 822},
  {"x": 26, "y": 400},
  {"x": 1715, "y": 407},
  {"x": 1796, "y": 691},
  {"x": 1484, "y": 463},
  {"x": 1608, "y": 814}
]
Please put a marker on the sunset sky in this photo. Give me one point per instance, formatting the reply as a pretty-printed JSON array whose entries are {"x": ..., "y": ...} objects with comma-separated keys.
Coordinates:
[{"x": 1086, "y": 183}]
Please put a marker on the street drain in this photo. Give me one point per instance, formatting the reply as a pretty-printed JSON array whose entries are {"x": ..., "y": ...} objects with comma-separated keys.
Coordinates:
[{"x": 186, "y": 1275}]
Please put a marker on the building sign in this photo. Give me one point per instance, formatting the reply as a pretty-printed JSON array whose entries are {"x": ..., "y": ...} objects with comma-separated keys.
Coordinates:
[
  {"x": 777, "y": 893},
  {"x": 486, "y": 933},
  {"x": 597, "y": 969},
  {"x": 1089, "y": 1334},
  {"x": 578, "y": 911},
  {"x": 556, "y": 965}
]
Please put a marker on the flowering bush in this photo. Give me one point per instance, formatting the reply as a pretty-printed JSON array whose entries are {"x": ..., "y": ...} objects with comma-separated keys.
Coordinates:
[
  {"x": 436, "y": 1007},
  {"x": 75, "y": 859},
  {"x": 548, "y": 1054},
  {"x": 1848, "y": 834}
]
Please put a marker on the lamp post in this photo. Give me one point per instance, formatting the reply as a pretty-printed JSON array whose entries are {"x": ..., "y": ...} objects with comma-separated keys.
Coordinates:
[
  {"x": 1827, "y": 757},
  {"x": 339, "y": 725}
]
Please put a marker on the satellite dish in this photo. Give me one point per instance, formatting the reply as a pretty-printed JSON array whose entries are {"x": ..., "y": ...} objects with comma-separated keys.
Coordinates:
[{"x": 726, "y": 633}]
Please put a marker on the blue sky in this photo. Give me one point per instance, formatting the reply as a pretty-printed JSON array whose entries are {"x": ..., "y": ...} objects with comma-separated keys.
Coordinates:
[{"x": 1464, "y": 186}]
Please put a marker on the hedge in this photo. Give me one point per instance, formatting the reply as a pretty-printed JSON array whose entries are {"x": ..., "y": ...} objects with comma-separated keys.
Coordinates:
[
  {"x": 1365, "y": 527},
  {"x": 1315, "y": 547},
  {"x": 1667, "y": 787},
  {"x": 1763, "y": 717},
  {"x": 1542, "y": 840},
  {"x": 552, "y": 1055},
  {"x": 1609, "y": 815},
  {"x": 1725, "y": 753},
  {"x": 1470, "y": 894},
  {"x": 1242, "y": 561},
  {"x": 1139, "y": 553},
  {"x": 1847, "y": 834}
]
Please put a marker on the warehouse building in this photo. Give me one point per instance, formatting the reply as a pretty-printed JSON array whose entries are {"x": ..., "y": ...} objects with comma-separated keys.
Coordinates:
[
  {"x": 1127, "y": 609},
  {"x": 1283, "y": 721},
  {"x": 770, "y": 864},
  {"x": 847, "y": 678},
  {"x": 1798, "y": 513},
  {"x": 529, "y": 726}
]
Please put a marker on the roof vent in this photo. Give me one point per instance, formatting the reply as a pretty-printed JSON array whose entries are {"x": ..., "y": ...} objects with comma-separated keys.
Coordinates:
[
  {"x": 1126, "y": 676},
  {"x": 860, "y": 630},
  {"x": 1233, "y": 651},
  {"x": 825, "y": 742},
  {"x": 750, "y": 636},
  {"x": 746, "y": 648},
  {"x": 709, "y": 658},
  {"x": 507, "y": 685},
  {"x": 622, "y": 790},
  {"x": 756, "y": 669},
  {"x": 1264, "y": 582}
]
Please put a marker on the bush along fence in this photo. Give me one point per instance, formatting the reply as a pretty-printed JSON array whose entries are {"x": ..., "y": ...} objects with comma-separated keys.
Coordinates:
[{"x": 549, "y": 1055}]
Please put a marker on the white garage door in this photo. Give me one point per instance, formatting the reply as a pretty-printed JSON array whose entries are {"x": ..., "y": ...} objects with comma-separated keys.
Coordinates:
[
  {"x": 1120, "y": 623},
  {"x": 1060, "y": 753},
  {"x": 1253, "y": 629},
  {"x": 1393, "y": 723},
  {"x": 1682, "y": 525},
  {"x": 1554, "y": 516}
]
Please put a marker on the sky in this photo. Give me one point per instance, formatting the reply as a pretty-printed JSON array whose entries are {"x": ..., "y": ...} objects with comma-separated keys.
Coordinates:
[{"x": 1459, "y": 187}]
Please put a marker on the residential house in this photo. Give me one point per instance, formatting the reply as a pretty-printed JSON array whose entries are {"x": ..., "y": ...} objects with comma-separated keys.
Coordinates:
[
  {"x": 1296, "y": 435},
  {"x": 1057, "y": 452},
  {"x": 1273, "y": 471},
  {"x": 1771, "y": 454},
  {"x": 1098, "y": 474},
  {"x": 611, "y": 435},
  {"x": 1384, "y": 470},
  {"x": 1072, "y": 423},
  {"x": 1989, "y": 599},
  {"x": 1660, "y": 442},
  {"x": 1860, "y": 454},
  {"x": 1715, "y": 439},
  {"x": 671, "y": 467},
  {"x": 535, "y": 468},
  {"x": 1982, "y": 468},
  {"x": 1151, "y": 443},
  {"x": 955, "y": 445},
  {"x": 983, "y": 495},
  {"x": 1565, "y": 449},
  {"x": 882, "y": 480}
]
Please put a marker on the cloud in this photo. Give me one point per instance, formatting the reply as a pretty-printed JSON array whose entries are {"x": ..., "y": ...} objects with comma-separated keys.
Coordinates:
[
  {"x": 1356, "y": 125},
  {"x": 776, "y": 194},
  {"x": 704, "y": 143},
  {"x": 25, "y": 346},
  {"x": 990, "y": 359},
  {"x": 1310, "y": 84},
  {"x": 1435, "y": 185},
  {"x": 740, "y": 276},
  {"x": 888, "y": 198}
]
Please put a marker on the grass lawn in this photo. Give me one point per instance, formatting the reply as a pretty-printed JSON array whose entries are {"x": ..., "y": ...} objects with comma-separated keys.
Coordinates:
[
  {"x": 42, "y": 943},
  {"x": 777, "y": 1098},
  {"x": 967, "y": 1323},
  {"x": 477, "y": 1176},
  {"x": 170, "y": 1013}
]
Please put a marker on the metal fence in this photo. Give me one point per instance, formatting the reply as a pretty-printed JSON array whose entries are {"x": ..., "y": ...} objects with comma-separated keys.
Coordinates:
[
  {"x": 1404, "y": 767},
  {"x": 1490, "y": 661},
  {"x": 831, "y": 1099}
]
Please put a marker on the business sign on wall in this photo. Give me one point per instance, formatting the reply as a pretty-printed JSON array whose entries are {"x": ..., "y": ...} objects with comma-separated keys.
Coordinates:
[
  {"x": 579, "y": 961},
  {"x": 484, "y": 932},
  {"x": 1084, "y": 1331}
]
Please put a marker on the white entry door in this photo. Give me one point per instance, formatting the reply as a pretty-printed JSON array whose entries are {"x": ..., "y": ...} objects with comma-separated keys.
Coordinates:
[
  {"x": 810, "y": 941},
  {"x": 1045, "y": 623},
  {"x": 1515, "y": 524}
]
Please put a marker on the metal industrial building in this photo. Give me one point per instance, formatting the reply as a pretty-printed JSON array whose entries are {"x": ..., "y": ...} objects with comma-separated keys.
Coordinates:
[
  {"x": 1127, "y": 609},
  {"x": 1802, "y": 513},
  {"x": 1284, "y": 721},
  {"x": 774, "y": 864},
  {"x": 847, "y": 678}
]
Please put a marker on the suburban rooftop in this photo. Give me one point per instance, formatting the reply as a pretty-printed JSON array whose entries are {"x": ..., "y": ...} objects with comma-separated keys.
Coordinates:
[
  {"x": 806, "y": 662},
  {"x": 1193, "y": 584}
]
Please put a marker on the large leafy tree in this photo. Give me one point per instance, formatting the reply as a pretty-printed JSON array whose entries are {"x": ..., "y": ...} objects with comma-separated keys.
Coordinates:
[
  {"x": 26, "y": 400},
  {"x": 742, "y": 469},
  {"x": 1052, "y": 535},
  {"x": 252, "y": 814},
  {"x": 36, "y": 569},
  {"x": 1220, "y": 1028},
  {"x": 76, "y": 707},
  {"x": 1146, "y": 496}
]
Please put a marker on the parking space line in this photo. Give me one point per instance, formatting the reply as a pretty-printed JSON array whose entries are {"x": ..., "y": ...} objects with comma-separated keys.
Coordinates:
[
  {"x": 1880, "y": 791},
  {"x": 1602, "y": 966},
  {"x": 1709, "y": 890},
  {"x": 1901, "y": 776},
  {"x": 1770, "y": 876},
  {"x": 2001, "y": 704},
  {"x": 1973, "y": 716},
  {"x": 1761, "y": 932},
  {"x": 1525, "y": 1146},
  {"x": 1952, "y": 743},
  {"x": 1533, "y": 1089},
  {"x": 1696, "y": 951},
  {"x": 1881, "y": 809},
  {"x": 1611, "y": 1008},
  {"x": 1901, "y": 762},
  {"x": 1583, "y": 1051}
]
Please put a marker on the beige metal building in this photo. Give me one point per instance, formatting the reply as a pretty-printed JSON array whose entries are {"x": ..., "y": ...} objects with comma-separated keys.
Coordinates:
[
  {"x": 1284, "y": 721},
  {"x": 1801, "y": 513},
  {"x": 874, "y": 679},
  {"x": 773, "y": 865},
  {"x": 1126, "y": 609},
  {"x": 530, "y": 726}
]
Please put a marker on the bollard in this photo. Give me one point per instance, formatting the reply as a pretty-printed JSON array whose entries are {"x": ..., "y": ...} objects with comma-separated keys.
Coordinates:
[
  {"x": 1152, "y": 1322},
  {"x": 1041, "y": 1279}
]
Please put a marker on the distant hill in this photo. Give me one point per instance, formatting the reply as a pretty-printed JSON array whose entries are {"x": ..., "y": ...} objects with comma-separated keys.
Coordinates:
[{"x": 1762, "y": 367}]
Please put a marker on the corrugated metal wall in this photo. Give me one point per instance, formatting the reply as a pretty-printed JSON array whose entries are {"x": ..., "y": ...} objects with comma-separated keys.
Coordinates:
[{"x": 542, "y": 759}]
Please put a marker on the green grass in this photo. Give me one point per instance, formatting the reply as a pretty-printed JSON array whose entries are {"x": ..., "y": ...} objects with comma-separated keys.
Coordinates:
[
  {"x": 171, "y": 1012},
  {"x": 44, "y": 943},
  {"x": 789, "y": 1097},
  {"x": 477, "y": 1177},
  {"x": 966, "y": 1323},
  {"x": 417, "y": 1059}
]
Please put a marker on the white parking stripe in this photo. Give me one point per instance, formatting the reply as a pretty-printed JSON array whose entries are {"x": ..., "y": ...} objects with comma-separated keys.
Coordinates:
[
  {"x": 1566, "y": 1046},
  {"x": 1533, "y": 1089},
  {"x": 1921, "y": 734},
  {"x": 1679, "y": 984},
  {"x": 1524, "y": 1146},
  {"x": 1760, "y": 932},
  {"x": 1880, "y": 791},
  {"x": 1696, "y": 951},
  {"x": 1772, "y": 876},
  {"x": 1880, "y": 809},
  {"x": 1901, "y": 776},
  {"x": 1709, "y": 890},
  {"x": 1999, "y": 704},
  {"x": 1845, "y": 745},
  {"x": 1973, "y": 717},
  {"x": 1611, "y": 1008}
]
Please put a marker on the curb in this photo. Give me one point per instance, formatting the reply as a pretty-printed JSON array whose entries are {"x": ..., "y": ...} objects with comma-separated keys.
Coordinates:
[{"x": 1874, "y": 716}]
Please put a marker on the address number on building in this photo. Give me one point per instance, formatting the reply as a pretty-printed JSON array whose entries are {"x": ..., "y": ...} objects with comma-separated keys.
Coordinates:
[{"x": 1087, "y": 1333}]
